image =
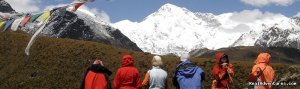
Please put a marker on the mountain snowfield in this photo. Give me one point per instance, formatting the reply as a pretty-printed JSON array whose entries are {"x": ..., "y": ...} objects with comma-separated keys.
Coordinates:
[
  {"x": 176, "y": 30},
  {"x": 286, "y": 30}
]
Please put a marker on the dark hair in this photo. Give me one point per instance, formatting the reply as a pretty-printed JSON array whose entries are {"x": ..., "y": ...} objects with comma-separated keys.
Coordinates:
[{"x": 225, "y": 56}]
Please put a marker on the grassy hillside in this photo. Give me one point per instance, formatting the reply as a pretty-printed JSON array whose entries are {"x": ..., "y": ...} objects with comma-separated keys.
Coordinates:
[
  {"x": 61, "y": 63},
  {"x": 278, "y": 54}
]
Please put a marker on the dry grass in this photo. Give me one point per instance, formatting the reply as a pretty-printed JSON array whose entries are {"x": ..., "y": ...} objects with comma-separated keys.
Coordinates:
[{"x": 61, "y": 63}]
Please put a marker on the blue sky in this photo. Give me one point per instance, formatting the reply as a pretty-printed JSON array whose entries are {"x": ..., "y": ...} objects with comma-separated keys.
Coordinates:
[{"x": 137, "y": 10}]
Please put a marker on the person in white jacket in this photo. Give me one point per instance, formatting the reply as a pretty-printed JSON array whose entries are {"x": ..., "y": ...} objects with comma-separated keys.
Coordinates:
[{"x": 156, "y": 78}]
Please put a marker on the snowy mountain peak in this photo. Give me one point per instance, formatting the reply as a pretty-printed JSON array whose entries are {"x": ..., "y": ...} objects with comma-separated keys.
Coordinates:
[
  {"x": 171, "y": 28},
  {"x": 296, "y": 20},
  {"x": 169, "y": 7},
  {"x": 176, "y": 30},
  {"x": 168, "y": 10}
]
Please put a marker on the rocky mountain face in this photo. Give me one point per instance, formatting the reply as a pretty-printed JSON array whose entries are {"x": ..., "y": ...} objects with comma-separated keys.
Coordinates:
[
  {"x": 284, "y": 34},
  {"x": 78, "y": 25},
  {"x": 5, "y": 7},
  {"x": 65, "y": 24},
  {"x": 277, "y": 37}
]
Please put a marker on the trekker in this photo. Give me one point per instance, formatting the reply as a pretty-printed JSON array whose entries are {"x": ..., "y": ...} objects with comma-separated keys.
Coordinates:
[
  {"x": 127, "y": 77},
  {"x": 187, "y": 74},
  {"x": 156, "y": 78},
  {"x": 96, "y": 77},
  {"x": 222, "y": 72},
  {"x": 262, "y": 71}
]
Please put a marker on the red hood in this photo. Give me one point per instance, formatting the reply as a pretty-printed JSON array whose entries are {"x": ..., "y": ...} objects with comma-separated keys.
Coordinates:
[
  {"x": 127, "y": 60},
  {"x": 218, "y": 56},
  {"x": 263, "y": 58}
]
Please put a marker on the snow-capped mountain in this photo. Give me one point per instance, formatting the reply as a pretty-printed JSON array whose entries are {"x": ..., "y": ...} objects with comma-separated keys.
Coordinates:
[
  {"x": 283, "y": 34},
  {"x": 175, "y": 30},
  {"x": 280, "y": 37},
  {"x": 170, "y": 29},
  {"x": 82, "y": 25},
  {"x": 247, "y": 39}
]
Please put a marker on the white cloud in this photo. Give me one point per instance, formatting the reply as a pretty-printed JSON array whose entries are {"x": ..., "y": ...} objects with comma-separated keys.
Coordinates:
[
  {"x": 24, "y": 5},
  {"x": 261, "y": 3},
  {"x": 240, "y": 28},
  {"x": 50, "y": 7},
  {"x": 246, "y": 15},
  {"x": 252, "y": 15},
  {"x": 100, "y": 14},
  {"x": 298, "y": 14},
  {"x": 246, "y": 20}
]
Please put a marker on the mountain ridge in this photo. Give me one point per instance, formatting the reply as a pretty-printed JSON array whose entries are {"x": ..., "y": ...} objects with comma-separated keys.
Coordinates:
[
  {"x": 80, "y": 25},
  {"x": 173, "y": 27}
]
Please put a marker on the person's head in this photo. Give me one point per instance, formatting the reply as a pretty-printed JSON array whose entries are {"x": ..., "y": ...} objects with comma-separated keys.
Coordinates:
[
  {"x": 184, "y": 57},
  {"x": 224, "y": 59},
  {"x": 127, "y": 60},
  {"x": 263, "y": 58},
  {"x": 221, "y": 57},
  {"x": 98, "y": 63},
  {"x": 156, "y": 61}
]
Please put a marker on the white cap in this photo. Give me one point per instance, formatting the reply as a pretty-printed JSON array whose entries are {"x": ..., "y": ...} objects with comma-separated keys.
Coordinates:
[
  {"x": 184, "y": 57},
  {"x": 156, "y": 61}
]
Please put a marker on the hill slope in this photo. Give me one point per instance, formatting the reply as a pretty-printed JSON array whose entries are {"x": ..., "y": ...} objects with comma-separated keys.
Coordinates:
[
  {"x": 249, "y": 53},
  {"x": 53, "y": 63},
  {"x": 61, "y": 63}
]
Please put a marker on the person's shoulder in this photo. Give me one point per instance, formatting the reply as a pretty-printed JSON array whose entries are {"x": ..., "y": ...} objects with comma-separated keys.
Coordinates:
[
  {"x": 132, "y": 68},
  {"x": 200, "y": 69},
  {"x": 256, "y": 65},
  {"x": 122, "y": 68},
  {"x": 269, "y": 67},
  {"x": 164, "y": 71},
  {"x": 216, "y": 66}
]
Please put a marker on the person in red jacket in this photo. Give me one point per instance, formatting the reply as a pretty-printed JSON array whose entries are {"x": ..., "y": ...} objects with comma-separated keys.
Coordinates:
[
  {"x": 222, "y": 72},
  {"x": 96, "y": 77},
  {"x": 127, "y": 77}
]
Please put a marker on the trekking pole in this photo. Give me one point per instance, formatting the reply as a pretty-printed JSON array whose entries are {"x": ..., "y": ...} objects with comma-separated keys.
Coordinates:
[
  {"x": 227, "y": 86},
  {"x": 231, "y": 80}
]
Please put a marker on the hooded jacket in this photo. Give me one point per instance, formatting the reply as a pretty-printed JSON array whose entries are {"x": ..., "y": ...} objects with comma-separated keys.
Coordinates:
[
  {"x": 96, "y": 77},
  {"x": 188, "y": 76},
  {"x": 127, "y": 77},
  {"x": 262, "y": 63},
  {"x": 221, "y": 74}
]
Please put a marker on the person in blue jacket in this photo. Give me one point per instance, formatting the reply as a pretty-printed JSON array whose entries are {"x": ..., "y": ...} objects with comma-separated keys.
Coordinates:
[{"x": 187, "y": 74}]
